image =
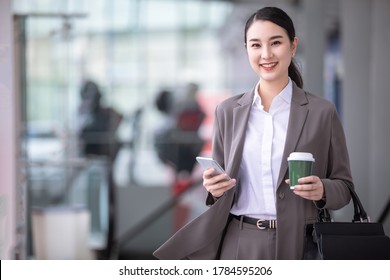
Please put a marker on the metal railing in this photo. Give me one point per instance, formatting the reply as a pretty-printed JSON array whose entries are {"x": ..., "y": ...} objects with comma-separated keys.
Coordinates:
[
  {"x": 86, "y": 182},
  {"x": 181, "y": 187}
]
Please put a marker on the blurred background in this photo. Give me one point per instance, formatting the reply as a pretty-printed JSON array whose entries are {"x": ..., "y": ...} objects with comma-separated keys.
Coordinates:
[{"x": 104, "y": 105}]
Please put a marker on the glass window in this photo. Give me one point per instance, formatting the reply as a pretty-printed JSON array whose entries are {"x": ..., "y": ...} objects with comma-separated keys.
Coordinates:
[
  {"x": 159, "y": 14},
  {"x": 130, "y": 48}
]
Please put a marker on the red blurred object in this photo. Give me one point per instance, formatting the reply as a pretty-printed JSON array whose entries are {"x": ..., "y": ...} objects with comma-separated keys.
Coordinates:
[{"x": 180, "y": 185}]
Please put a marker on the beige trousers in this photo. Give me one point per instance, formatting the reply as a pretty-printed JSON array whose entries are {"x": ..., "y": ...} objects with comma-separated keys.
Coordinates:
[{"x": 245, "y": 241}]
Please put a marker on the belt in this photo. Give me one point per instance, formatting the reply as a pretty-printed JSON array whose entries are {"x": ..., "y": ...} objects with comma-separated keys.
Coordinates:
[{"x": 261, "y": 224}]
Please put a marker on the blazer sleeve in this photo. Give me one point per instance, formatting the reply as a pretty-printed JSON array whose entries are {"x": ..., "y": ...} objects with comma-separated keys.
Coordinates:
[{"x": 338, "y": 175}]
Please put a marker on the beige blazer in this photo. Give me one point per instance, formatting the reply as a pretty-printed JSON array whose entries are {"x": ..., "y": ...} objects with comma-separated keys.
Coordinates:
[{"x": 314, "y": 126}]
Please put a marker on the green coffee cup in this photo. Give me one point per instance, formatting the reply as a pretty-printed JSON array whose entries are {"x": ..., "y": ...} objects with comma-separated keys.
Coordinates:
[{"x": 299, "y": 165}]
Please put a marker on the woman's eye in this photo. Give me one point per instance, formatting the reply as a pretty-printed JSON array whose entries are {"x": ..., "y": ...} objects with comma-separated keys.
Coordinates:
[
  {"x": 276, "y": 43},
  {"x": 255, "y": 45}
]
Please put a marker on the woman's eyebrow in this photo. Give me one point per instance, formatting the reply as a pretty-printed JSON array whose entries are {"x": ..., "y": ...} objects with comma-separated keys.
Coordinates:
[
  {"x": 276, "y": 37},
  {"x": 271, "y": 38}
]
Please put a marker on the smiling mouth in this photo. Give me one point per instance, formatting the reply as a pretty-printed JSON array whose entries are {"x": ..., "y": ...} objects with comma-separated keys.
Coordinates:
[{"x": 268, "y": 66}]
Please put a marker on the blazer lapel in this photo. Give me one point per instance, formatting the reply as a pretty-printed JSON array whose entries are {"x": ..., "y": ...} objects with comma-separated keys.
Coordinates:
[
  {"x": 240, "y": 121},
  {"x": 298, "y": 115}
]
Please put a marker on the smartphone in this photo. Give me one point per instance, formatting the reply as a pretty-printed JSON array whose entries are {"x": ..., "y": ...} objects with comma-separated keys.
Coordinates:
[{"x": 208, "y": 163}]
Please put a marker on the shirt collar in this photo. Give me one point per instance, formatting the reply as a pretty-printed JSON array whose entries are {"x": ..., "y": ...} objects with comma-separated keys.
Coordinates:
[{"x": 285, "y": 94}]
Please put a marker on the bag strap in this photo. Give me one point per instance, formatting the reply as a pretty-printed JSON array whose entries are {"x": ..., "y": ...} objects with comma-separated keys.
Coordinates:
[
  {"x": 360, "y": 214},
  {"x": 324, "y": 215}
]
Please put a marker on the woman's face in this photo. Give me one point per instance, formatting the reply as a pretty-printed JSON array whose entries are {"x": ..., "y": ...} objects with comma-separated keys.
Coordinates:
[{"x": 270, "y": 51}]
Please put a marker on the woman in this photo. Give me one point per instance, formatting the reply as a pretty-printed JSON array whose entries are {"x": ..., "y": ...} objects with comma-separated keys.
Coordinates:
[{"x": 256, "y": 215}]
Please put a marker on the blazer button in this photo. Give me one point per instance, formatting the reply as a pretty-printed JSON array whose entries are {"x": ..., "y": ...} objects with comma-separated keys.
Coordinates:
[{"x": 281, "y": 195}]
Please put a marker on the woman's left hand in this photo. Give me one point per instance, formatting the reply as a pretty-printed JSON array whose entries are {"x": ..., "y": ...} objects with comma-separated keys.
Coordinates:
[{"x": 310, "y": 187}]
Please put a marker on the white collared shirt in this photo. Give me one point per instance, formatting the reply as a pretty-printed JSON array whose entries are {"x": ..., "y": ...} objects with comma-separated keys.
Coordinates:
[{"x": 262, "y": 156}]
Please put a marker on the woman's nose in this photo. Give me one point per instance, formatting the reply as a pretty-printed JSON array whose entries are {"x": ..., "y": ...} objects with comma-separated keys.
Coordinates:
[{"x": 266, "y": 53}]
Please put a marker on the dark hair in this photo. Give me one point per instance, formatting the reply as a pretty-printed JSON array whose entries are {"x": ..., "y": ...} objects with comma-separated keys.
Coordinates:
[
  {"x": 90, "y": 90},
  {"x": 279, "y": 17},
  {"x": 164, "y": 101}
]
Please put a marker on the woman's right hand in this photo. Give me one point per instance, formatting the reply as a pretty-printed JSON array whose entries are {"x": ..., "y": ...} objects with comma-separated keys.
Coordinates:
[{"x": 217, "y": 184}]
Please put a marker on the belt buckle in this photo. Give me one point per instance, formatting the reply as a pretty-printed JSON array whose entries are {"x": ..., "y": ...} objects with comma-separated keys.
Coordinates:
[{"x": 259, "y": 223}]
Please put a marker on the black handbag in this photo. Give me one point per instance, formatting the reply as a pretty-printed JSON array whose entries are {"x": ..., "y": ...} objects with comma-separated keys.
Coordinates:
[{"x": 360, "y": 239}]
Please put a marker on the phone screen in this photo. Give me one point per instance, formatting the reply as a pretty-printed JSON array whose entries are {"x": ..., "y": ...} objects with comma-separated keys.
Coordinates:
[{"x": 210, "y": 163}]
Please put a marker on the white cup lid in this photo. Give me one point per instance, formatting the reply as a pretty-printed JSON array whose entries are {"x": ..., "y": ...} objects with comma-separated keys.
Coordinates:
[{"x": 301, "y": 156}]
